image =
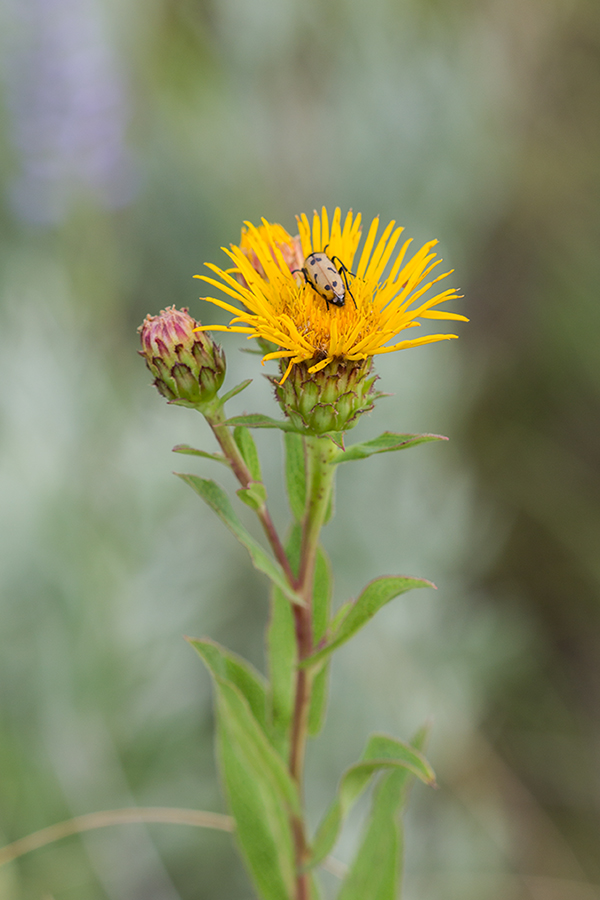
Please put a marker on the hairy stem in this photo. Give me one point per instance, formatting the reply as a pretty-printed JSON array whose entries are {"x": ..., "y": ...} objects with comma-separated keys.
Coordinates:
[{"x": 319, "y": 474}]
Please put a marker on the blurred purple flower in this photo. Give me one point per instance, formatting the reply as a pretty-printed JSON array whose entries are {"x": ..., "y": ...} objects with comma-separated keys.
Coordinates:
[{"x": 67, "y": 108}]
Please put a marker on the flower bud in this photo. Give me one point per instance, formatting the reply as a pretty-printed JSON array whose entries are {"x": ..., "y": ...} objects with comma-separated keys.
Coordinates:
[
  {"x": 330, "y": 400},
  {"x": 187, "y": 365}
]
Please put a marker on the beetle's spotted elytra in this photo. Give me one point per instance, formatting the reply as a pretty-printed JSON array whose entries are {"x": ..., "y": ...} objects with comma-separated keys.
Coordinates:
[{"x": 329, "y": 282}]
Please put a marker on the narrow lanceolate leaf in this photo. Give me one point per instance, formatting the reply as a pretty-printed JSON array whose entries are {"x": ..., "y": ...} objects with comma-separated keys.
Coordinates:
[
  {"x": 231, "y": 667},
  {"x": 295, "y": 473},
  {"x": 256, "y": 420},
  {"x": 331, "y": 505},
  {"x": 282, "y": 654},
  {"x": 283, "y": 659},
  {"x": 247, "y": 447},
  {"x": 251, "y": 730},
  {"x": 218, "y": 500},
  {"x": 386, "y": 442},
  {"x": 376, "y": 594},
  {"x": 236, "y": 390},
  {"x": 315, "y": 887},
  {"x": 318, "y": 700},
  {"x": 256, "y": 800},
  {"x": 376, "y": 870},
  {"x": 321, "y": 595},
  {"x": 381, "y": 753},
  {"x": 191, "y": 451},
  {"x": 321, "y": 614},
  {"x": 260, "y": 792}
]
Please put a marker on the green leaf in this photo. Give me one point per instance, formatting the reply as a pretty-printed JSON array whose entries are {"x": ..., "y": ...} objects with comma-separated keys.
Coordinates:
[
  {"x": 245, "y": 720},
  {"x": 254, "y": 496},
  {"x": 384, "y": 444},
  {"x": 191, "y": 451},
  {"x": 321, "y": 613},
  {"x": 282, "y": 653},
  {"x": 376, "y": 594},
  {"x": 376, "y": 870},
  {"x": 340, "y": 616},
  {"x": 256, "y": 420},
  {"x": 321, "y": 595},
  {"x": 260, "y": 791},
  {"x": 295, "y": 473},
  {"x": 331, "y": 505},
  {"x": 315, "y": 887},
  {"x": 318, "y": 700},
  {"x": 236, "y": 390},
  {"x": 218, "y": 500},
  {"x": 281, "y": 642},
  {"x": 231, "y": 667},
  {"x": 247, "y": 447},
  {"x": 381, "y": 752}
]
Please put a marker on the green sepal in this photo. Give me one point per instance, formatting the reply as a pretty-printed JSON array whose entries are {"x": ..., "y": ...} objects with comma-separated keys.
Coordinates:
[
  {"x": 218, "y": 500},
  {"x": 225, "y": 664},
  {"x": 236, "y": 390},
  {"x": 256, "y": 420},
  {"x": 247, "y": 447},
  {"x": 321, "y": 613},
  {"x": 191, "y": 451},
  {"x": 295, "y": 473},
  {"x": 385, "y": 443},
  {"x": 376, "y": 870},
  {"x": 381, "y": 753},
  {"x": 260, "y": 791},
  {"x": 254, "y": 496},
  {"x": 282, "y": 654},
  {"x": 376, "y": 594}
]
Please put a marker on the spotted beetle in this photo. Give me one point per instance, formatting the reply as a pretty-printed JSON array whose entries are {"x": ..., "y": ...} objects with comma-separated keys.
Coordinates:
[{"x": 330, "y": 283}]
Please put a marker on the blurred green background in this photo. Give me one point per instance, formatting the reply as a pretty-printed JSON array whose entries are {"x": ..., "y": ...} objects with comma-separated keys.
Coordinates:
[{"x": 136, "y": 136}]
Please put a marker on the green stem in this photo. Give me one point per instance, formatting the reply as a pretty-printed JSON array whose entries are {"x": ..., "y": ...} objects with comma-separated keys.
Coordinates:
[{"x": 319, "y": 476}]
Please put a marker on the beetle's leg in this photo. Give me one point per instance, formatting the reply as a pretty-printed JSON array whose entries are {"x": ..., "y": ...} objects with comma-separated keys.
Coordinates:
[
  {"x": 344, "y": 272},
  {"x": 350, "y": 292},
  {"x": 306, "y": 281},
  {"x": 342, "y": 268}
]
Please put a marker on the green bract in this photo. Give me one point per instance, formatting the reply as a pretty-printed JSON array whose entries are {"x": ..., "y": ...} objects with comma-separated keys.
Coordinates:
[{"x": 331, "y": 400}]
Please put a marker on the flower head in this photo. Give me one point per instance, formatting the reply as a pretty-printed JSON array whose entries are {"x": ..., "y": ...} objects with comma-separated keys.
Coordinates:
[
  {"x": 188, "y": 366},
  {"x": 279, "y": 303}
]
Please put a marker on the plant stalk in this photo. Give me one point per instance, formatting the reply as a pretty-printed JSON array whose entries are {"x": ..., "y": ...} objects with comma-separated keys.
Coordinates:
[{"x": 319, "y": 476}]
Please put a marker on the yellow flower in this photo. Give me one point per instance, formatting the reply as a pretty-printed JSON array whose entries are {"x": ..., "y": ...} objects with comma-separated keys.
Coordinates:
[{"x": 279, "y": 306}]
